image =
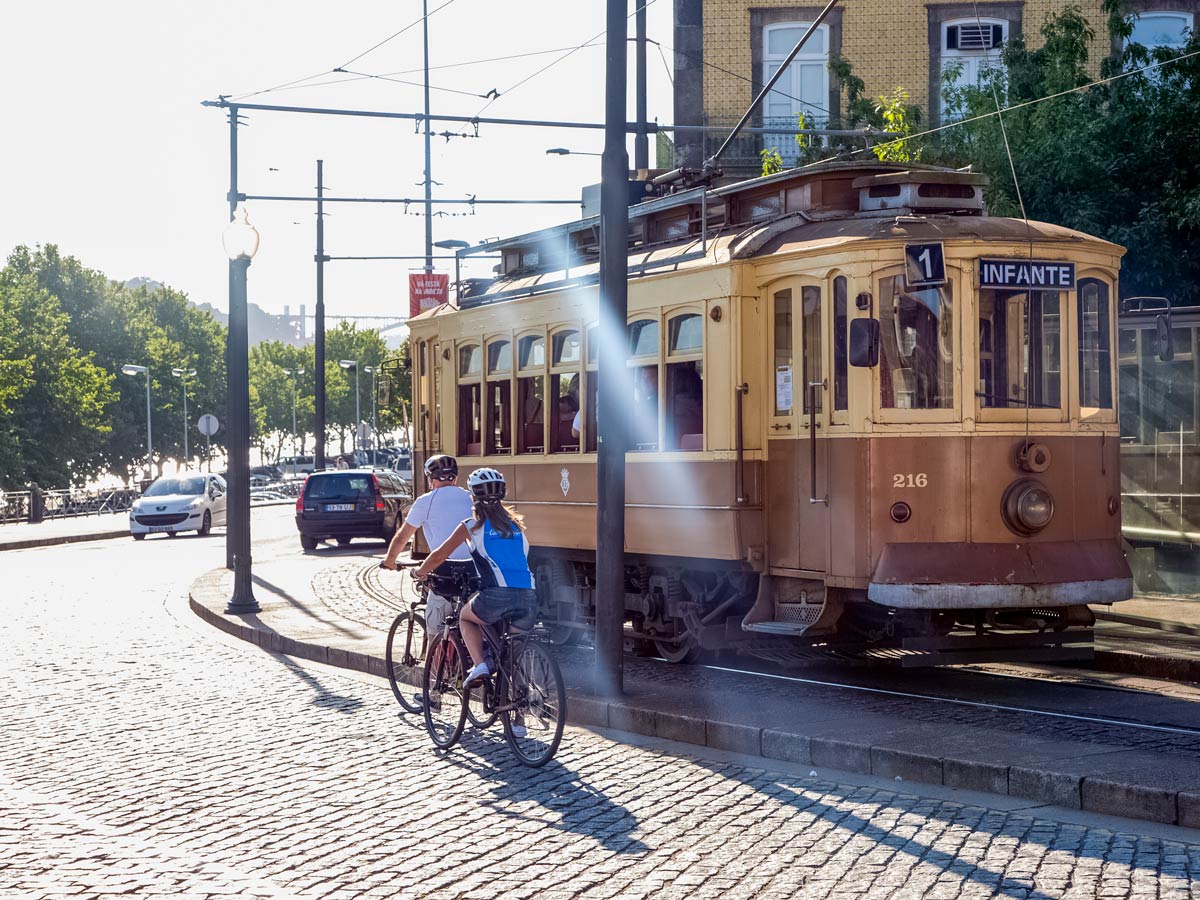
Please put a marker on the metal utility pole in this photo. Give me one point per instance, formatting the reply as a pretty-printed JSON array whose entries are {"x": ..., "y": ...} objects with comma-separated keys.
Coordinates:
[
  {"x": 231, "y": 526},
  {"x": 614, "y": 378},
  {"x": 185, "y": 374},
  {"x": 641, "y": 143},
  {"x": 428, "y": 164},
  {"x": 319, "y": 327}
]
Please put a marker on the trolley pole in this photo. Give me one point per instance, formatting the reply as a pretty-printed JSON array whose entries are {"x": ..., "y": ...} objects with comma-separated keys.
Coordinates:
[
  {"x": 319, "y": 327},
  {"x": 428, "y": 164},
  {"x": 612, "y": 390}
]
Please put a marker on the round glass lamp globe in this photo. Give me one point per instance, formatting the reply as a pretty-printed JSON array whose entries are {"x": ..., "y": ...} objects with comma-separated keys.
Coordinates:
[{"x": 240, "y": 237}]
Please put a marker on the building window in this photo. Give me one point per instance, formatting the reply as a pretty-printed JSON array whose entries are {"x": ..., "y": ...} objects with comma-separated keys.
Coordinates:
[
  {"x": 1162, "y": 28},
  {"x": 685, "y": 382},
  {"x": 969, "y": 49},
  {"x": 803, "y": 89}
]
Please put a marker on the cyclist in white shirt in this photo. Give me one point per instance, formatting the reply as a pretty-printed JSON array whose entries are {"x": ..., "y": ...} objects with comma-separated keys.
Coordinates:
[{"x": 438, "y": 513}]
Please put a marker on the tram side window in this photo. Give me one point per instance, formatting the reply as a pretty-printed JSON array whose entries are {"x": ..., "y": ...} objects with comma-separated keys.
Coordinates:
[
  {"x": 531, "y": 394},
  {"x": 783, "y": 353},
  {"x": 1095, "y": 345},
  {"x": 565, "y": 358},
  {"x": 1020, "y": 350},
  {"x": 841, "y": 392},
  {"x": 811, "y": 299},
  {"x": 499, "y": 397},
  {"x": 643, "y": 350},
  {"x": 470, "y": 397},
  {"x": 917, "y": 346},
  {"x": 591, "y": 382},
  {"x": 685, "y": 383}
]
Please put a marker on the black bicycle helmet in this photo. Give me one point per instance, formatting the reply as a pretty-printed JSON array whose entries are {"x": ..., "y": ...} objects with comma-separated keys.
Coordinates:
[
  {"x": 441, "y": 467},
  {"x": 487, "y": 484}
]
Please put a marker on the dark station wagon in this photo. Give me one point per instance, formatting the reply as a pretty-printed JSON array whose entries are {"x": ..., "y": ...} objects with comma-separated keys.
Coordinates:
[{"x": 343, "y": 504}]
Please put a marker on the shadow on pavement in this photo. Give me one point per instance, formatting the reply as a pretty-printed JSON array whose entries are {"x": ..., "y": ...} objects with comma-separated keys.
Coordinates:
[{"x": 582, "y": 809}]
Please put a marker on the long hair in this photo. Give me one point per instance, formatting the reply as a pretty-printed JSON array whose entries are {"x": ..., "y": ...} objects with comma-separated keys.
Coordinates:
[{"x": 506, "y": 520}]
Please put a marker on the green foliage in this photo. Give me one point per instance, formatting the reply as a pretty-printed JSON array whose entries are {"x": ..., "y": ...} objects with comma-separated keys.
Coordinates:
[
  {"x": 1117, "y": 161},
  {"x": 896, "y": 116},
  {"x": 772, "y": 162}
]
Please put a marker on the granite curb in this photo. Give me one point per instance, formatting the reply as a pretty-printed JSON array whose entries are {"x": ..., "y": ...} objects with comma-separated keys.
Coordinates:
[
  {"x": 1048, "y": 784},
  {"x": 30, "y": 543}
]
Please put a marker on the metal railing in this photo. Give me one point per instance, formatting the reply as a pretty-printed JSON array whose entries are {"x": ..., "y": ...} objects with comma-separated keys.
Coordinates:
[{"x": 65, "y": 504}]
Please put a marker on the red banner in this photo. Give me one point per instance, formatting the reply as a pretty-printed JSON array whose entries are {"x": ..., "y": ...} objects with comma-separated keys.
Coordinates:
[{"x": 427, "y": 290}]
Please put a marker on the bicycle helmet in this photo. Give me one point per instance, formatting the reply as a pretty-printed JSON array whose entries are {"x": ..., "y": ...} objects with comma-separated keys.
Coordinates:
[
  {"x": 441, "y": 467},
  {"x": 487, "y": 484}
]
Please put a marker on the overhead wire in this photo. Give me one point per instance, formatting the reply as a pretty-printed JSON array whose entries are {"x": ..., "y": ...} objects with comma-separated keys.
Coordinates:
[{"x": 407, "y": 27}]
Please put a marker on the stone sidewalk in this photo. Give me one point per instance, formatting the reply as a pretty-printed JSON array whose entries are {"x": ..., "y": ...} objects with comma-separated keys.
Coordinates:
[
  {"x": 22, "y": 535},
  {"x": 1064, "y": 758}
]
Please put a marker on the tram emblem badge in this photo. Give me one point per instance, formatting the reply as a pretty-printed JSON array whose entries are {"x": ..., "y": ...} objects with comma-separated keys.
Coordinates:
[{"x": 565, "y": 483}]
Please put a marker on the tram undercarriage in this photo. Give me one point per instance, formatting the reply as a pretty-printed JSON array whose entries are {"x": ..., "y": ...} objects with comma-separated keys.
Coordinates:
[{"x": 680, "y": 610}]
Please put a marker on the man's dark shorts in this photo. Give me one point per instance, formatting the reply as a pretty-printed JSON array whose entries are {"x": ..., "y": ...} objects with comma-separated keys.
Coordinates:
[{"x": 518, "y": 605}]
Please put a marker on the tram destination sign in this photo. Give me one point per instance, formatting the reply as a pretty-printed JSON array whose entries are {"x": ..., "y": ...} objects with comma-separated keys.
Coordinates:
[{"x": 1026, "y": 273}]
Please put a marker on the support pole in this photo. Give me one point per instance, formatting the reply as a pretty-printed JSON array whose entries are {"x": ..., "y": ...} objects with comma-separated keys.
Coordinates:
[
  {"x": 238, "y": 510},
  {"x": 231, "y": 526},
  {"x": 428, "y": 164},
  {"x": 186, "y": 456},
  {"x": 612, "y": 399},
  {"x": 641, "y": 143},
  {"x": 319, "y": 327}
]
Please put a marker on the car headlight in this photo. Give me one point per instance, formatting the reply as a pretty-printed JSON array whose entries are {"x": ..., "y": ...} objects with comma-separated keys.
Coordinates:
[{"x": 1027, "y": 506}]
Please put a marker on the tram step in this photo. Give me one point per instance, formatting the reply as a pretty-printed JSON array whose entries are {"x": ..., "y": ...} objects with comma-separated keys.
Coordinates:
[{"x": 793, "y": 628}]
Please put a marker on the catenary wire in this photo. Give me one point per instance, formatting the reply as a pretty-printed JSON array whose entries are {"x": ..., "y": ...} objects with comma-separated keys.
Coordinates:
[
  {"x": 420, "y": 84},
  {"x": 407, "y": 27}
]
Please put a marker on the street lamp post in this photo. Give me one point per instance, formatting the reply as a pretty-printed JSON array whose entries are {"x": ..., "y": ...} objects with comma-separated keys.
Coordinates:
[
  {"x": 349, "y": 364},
  {"x": 185, "y": 374},
  {"x": 374, "y": 411},
  {"x": 128, "y": 369},
  {"x": 295, "y": 433},
  {"x": 241, "y": 243}
]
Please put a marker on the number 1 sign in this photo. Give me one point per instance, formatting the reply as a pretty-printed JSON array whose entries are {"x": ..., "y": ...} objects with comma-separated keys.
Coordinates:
[{"x": 924, "y": 264}]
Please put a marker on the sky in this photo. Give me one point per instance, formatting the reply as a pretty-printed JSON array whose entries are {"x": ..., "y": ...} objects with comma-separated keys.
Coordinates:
[{"x": 109, "y": 154}]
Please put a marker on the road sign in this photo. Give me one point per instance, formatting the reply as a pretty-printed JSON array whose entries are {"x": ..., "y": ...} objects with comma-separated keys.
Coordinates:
[
  {"x": 925, "y": 265},
  {"x": 208, "y": 425}
]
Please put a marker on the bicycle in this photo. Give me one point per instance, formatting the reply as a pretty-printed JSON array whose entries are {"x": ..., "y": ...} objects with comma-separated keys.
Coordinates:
[
  {"x": 525, "y": 691},
  {"x": 404, "y": 661}
]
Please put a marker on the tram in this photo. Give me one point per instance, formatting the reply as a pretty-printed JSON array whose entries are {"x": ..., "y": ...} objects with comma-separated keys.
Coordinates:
[{"x": 866, "y": 417}]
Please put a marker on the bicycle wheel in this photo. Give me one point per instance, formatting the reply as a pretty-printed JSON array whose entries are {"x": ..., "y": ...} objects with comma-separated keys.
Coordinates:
[
  {"x": 405, "y": 652},
  {"x": 477, "y": 705},
  {"x": 445, "y": 701},
  {"x": 540, "y": 702}
]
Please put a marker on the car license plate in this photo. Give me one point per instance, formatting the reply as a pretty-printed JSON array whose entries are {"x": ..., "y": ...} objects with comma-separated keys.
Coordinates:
[
  {"x": 339, "y": 507},
  {"x": 162, "y": 527}
]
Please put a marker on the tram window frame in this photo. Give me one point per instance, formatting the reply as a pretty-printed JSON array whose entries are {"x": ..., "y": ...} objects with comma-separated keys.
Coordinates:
[
  {"x": 883, "y": 279},
  {"x": 1015, "y": 410},
  {"x": 498, "y": 396},
  {"x": 782, "y": 319},
  {"x": 812, "y": 348},
  {"x": 1095, "y": 378},
  {"x": 680, "y": 360},
  {"x": 421, "y": 393},
  {"x": 530, "y": 372},
  {"x": 435, "y": 358},
  {"x": 469, "y": 398},
  {"x": 561, "y": 440},
  {"x": 639, "y": 364},
  {"x": 839, "y": 294},
  {"x": 591, "y": 383}
]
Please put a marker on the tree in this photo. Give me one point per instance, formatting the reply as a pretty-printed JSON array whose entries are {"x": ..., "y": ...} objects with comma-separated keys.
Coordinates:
[{"x": 55, "y": 397}]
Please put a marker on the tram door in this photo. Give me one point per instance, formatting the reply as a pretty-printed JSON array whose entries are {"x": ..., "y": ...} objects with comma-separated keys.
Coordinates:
[{"x": 798, "y": 531}]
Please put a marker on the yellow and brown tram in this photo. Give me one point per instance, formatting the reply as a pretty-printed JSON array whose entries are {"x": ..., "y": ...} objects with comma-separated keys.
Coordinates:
[{"x": 864, "y": 413}]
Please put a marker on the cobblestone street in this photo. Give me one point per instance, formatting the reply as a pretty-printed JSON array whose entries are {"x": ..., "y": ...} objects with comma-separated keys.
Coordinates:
[{"x": 146, "y": 757}]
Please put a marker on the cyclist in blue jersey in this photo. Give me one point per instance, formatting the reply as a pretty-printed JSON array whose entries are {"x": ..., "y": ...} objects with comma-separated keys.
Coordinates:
[{"x": 501, "y": 552}]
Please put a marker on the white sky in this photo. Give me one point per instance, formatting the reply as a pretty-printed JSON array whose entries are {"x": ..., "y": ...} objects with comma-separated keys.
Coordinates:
[{"x": 108, "y": 153}]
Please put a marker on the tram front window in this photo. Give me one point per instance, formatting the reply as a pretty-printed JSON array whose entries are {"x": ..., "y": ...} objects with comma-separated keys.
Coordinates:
[
  {"x": 917, "y": 346},
  {"x": 1020, "y": 350}
]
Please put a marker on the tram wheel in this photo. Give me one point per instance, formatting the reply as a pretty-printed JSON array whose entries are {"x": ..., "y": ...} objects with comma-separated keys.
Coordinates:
[{"x": 677, "y": 651}]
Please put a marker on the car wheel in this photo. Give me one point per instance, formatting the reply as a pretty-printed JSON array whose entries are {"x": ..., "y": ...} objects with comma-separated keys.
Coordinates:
[
  {"x": 139, "y": 535},
  {"x": 308, "y": 543},
  {"x": 205, "y": 524},
  {"x": 343, "y": 542}
]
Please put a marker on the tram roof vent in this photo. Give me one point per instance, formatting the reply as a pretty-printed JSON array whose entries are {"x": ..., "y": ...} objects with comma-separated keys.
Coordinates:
[{"x": 922, "y": 191}]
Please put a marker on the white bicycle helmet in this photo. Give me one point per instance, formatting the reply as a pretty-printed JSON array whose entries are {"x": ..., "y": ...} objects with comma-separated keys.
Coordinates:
[{"x": 487, "y": 484}]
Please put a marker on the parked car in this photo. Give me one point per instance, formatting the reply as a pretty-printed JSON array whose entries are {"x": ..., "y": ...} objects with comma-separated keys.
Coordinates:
[
  {"x": 175, "y": 503},
  {"x": 296, "y": 465},
  {"x": 342, "y": 504},
  {"x": 270, "y": 473}
]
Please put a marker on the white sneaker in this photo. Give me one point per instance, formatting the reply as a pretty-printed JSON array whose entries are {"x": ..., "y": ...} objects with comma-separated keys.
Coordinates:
[
  {"x": 480, "y": 671},
  {"x": 519, "y": 731}
]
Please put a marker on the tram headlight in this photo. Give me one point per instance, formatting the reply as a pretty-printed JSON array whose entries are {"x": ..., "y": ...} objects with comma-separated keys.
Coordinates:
[{"x": 1027, "y": 507}]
